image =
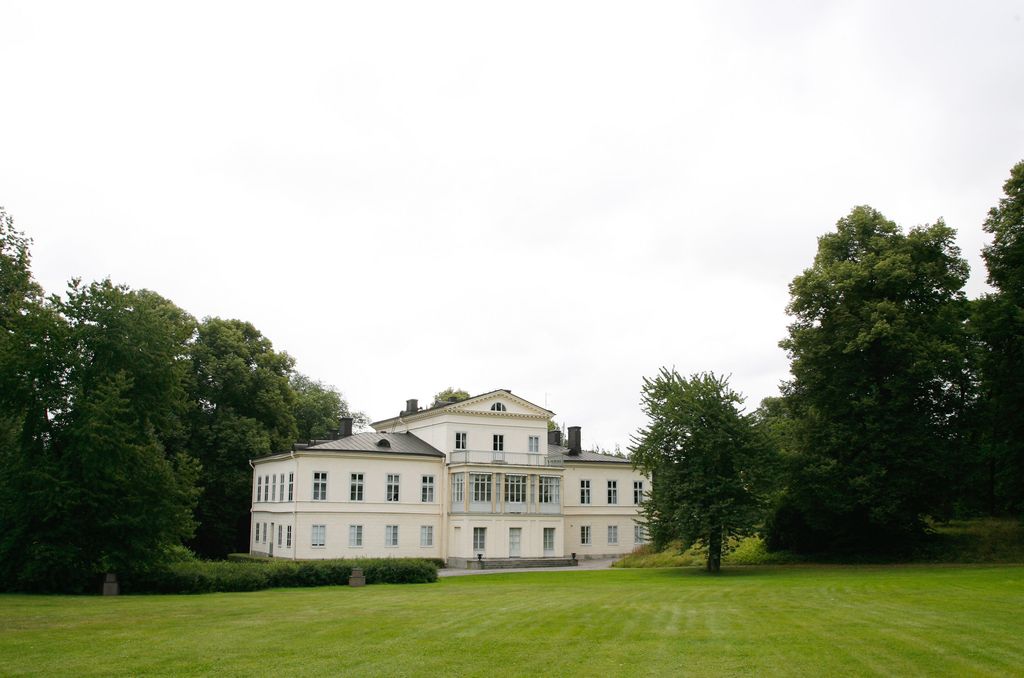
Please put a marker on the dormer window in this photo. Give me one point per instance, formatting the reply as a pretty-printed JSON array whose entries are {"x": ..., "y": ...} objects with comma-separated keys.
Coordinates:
[{"x": 498, "y": 407}]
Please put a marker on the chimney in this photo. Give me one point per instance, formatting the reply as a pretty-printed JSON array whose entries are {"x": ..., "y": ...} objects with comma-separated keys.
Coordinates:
[
  {"x": 411, "y": 406},
  {"x": 554, "y": 437},
  {"x": 574, "y": 440},
  {"x": 346, "y": 427}
]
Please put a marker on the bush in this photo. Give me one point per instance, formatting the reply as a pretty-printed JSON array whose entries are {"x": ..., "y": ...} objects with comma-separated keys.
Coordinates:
[
  {"x": 253, "y": 574},
  {"x": 753, "y": 551},
  {"x": 673, "y": 556}
]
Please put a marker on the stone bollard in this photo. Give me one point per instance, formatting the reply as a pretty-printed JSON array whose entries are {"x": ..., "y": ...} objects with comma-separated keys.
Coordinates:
[
  {"x": 357, "y": 578},
  {"x": 110, "y": 585}
]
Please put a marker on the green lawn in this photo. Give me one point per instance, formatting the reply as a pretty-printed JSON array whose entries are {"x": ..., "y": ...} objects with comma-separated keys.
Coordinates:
[{"x": 812, "y": 621}]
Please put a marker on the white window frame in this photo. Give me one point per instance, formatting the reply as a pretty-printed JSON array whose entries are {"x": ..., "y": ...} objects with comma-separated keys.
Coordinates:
[
  {"x": 458, "y": 488},
  {"x": 585, "y": 535},
  {"x": 273, "y": 488},
  {"x": 638, "y": 492},
  {"x": 548, "y": 490},
  {"x": 548, "y": 531},
  {"x": 318, "y": 538},
  {"x": 391, "y": 536},
  {"x": 479, "y": 539},
  {"x": 499, "y": 407},
  {"x": 288, "y": 536},
  {"x": 355, "y": 487},
  {"x": 461, "y": 440},
  {"x": 264, "y": 533},
  {"x": 259, "y": 488},
  {"x": 257, "y": 541},
  {"x": 515, "y": 488},
  {"x": 613, "y": 535},
  {"x": 427, "y": 490},
  {"x": 426, "y": 536},
  {"x": 533, "y": 444},
  {"x": 280, "y": 532},
  {"x": 393, "y": 487},
  {"x": 291, "y": 486},
  {"x": 584, "y": 492},
  {"x": 613, "y": 492},
  {"x": 498, "y": 442},
  {"x": 481, "y": 485},
  {"x": 355, "y": 536},
  {"x": 319, "y": 485},
  {"x": 639, "y": 534},
  {"x": 280, "y": 494}
]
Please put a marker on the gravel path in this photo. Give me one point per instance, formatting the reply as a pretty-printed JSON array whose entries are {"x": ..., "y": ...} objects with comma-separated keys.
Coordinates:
[{"x": 596, "y": 564}]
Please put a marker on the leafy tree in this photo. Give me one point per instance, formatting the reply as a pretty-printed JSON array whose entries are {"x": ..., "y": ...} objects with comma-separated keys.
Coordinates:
[
  {"x": 91, "y": 402},
  {"x": 999, "y": 319},
  {"x": 450, "y": 394},
  {"x": 879, "y": 386},
  {"x": 709, "y": 463},
  {"x": 318, "y": 407},
  {"x": 245, "y": 409}
]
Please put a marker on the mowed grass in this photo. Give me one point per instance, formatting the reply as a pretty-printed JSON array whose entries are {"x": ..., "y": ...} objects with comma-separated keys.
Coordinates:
[{"x": 800, "y": 621}]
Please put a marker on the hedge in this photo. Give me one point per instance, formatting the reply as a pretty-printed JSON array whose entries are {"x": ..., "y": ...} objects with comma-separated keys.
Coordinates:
[{"x": 253, "y": 575}]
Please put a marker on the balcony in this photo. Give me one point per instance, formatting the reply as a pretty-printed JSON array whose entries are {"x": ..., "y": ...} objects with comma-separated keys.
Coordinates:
[{"x": 503, "y": 458}]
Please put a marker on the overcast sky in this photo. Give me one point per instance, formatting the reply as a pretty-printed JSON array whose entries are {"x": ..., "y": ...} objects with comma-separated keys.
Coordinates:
[{"x": 555, "y": 198}]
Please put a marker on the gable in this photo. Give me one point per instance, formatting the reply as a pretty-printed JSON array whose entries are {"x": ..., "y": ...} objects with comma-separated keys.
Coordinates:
[{"x": 508, "y": 404}]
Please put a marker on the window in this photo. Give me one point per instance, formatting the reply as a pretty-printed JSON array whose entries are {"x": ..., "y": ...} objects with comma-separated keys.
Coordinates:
[
  {"x": 638, "y": 492},
  {"x": 548, "y": 490},
  {"x": 426, "y": 535},
  {"x": 280, "y": 533},
  {"x": 427, "y": 491},
  {"x": 458, "y": 488},
  {"x": 481, "y": 486},
  {"x": 498, "y": 443},
  {"x": 291, "y": 486},
  {"x": 638, "y": 534},
  {"x": 515, "y": 489},
  {"x": 355, "y": 535},
  {"x": 549, "y": 539},
  {"x": 259, "y": 488},
  {"x": 498, "y": 407},
  {"x": 273, "y": 488},
  {"x": 319, "y": 536},
  {"x": 613, "y": 534},
  {"x": 264, "y": 533},
  {"x": 479, "y": 539},
  {"x": 355, "y": 487},
  {"x": 280, "y": 495},
  {"x": 585, "y": 535},
  {"x": 392, "y": 487},
  {"x": 534, "y": 444},
  {"x": 391, "y": 535},
  {"x": 257, "y": 533},
  {"x": 288, "y": 537},
  {"x": 320, "y": 486},
  {"x": 460, "y": 440},
  {"x": 584, "y": 491},
  {"x": 613, "y": 491}
]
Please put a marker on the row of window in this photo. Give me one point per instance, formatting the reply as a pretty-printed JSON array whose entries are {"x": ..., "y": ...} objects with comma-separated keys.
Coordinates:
[
  {"x": 267, "y": 487},
  {"x": 355, "y": 536},
  {"x": 497, "y": 442},
  {"x": 271, "y": 487},
  {"x": 480, "y": 485},
  {"x": 586, "y": 535},
  {"x": 613, "y": 492},
  {"x": 284, "y": 534}
]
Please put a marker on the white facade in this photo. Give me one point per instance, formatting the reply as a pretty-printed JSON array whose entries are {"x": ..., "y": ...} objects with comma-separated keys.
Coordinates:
[{"x": 478, "y": 478}]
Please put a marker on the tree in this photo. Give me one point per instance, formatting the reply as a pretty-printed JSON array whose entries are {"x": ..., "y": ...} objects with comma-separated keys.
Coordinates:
[
  {"x": 91, "y": 399},
  {"x": 245, "y": 409},
  {"x": 880, "y": 384},
  {"x": 999, "y": 320},
  {"x": 708, "y": 462},
  {"x": 318, "y": 407},
  {"x": 450, "y": 394}
]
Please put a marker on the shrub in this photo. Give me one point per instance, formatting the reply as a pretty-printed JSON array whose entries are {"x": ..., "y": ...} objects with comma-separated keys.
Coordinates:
[{"x": 253, "y": 574}]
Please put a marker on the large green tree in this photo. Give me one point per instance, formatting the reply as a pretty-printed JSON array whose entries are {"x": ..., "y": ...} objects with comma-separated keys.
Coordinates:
[
  {"x": 999, "y": 319},
  {"x": 245, "y": 409},
  {"x": 318, "y": 407},
  {"x": 710, "y": 464},
  {"x": 879, "y": 385},
  {"x": 92, "y": 402}
]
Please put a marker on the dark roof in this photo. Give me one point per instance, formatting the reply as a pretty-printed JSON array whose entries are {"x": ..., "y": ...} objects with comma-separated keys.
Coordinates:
[
  {"x": 584, "y": 456},
  {"x": 383, "y": 443}
]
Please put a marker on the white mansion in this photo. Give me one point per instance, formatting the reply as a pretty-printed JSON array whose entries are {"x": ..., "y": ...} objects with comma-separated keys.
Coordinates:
[{"x": 477, "y": 479}]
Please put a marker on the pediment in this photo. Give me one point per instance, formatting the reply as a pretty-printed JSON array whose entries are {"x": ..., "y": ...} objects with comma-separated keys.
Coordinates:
[{"x": 513, "y": 405}]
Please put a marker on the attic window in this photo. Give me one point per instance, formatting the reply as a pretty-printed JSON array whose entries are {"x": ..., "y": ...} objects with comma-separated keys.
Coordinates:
[
  {"x": 498, "y": 407},
  {"x": 383, "y": 442}
]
